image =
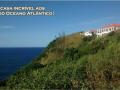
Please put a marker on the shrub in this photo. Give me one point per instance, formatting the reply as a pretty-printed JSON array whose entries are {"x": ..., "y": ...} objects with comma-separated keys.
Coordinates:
[
  {"x": 93, "y": 65},
  {"x": 72, "y": 53}
]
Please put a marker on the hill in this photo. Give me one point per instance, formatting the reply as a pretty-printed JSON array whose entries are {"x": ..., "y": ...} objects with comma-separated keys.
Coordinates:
[{"x": 73, "y": 62}]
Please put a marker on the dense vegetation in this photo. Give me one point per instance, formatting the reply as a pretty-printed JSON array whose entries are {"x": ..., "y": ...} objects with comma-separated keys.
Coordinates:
[{"x": 89, "y": 63}]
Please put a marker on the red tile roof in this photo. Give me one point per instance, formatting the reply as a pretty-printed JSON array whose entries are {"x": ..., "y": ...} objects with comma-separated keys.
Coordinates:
[
  {"x": 108, "y": 25},
  {"x": 93, "y": 31},
  {"x": 112, "y": 25}
]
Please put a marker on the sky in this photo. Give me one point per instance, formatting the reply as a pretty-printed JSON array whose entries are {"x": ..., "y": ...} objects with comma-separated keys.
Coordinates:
[{"x": 69, "y": 17}]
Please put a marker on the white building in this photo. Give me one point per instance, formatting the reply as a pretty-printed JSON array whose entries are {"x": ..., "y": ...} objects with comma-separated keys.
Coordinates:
[
  {"x": 107, "y": 29},
  {"x": 88, "y": 33},
  {"x": 104, "y": 30}
]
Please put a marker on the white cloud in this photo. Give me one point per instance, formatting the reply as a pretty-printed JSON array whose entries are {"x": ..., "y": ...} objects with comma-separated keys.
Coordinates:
[{"x": 7, "y": 27}]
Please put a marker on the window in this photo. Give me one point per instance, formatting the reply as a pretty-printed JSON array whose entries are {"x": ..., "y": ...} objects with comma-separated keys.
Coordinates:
[{"x": 106, "y": 29}]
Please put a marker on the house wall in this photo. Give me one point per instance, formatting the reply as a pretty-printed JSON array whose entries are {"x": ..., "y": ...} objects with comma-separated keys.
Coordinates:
[
  {"x": 117, "y": 28},
  {"x": 103, "y": 31},
  {"x": 106, "y": 30}
]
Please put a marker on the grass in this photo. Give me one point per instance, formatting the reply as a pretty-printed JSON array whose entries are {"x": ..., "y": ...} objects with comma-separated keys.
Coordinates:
[{"x": 87, "y": 63}]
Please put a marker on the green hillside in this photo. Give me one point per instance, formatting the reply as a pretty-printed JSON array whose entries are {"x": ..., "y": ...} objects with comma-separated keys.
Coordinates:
[{"x": 73, "y": 62}]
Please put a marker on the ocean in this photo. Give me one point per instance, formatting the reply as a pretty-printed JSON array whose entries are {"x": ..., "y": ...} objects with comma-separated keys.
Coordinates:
[{"x": 12, "y": 59}]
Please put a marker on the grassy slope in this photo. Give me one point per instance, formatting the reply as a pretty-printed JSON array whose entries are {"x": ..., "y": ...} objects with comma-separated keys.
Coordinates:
[
  {"x": 51, "y": 55},
  {"x": 83, "y": 63}
]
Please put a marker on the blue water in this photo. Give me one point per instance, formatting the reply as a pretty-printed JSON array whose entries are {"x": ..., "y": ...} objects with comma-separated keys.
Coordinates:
[{"x": 12, "y": 59}]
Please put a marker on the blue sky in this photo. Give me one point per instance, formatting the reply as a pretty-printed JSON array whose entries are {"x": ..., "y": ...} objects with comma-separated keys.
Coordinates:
[{"x": 70, "y": 17}]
